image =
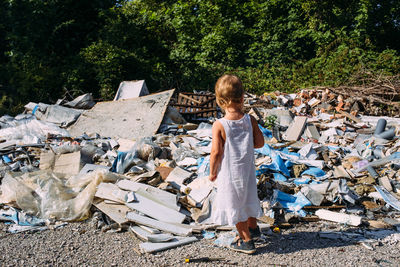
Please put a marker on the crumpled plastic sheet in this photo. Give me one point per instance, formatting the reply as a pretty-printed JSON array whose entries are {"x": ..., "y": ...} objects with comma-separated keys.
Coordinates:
[
  {"x": 267, "y": 133},
  {"x": 51, "y": 196},
  {"x": 82, "y": 102},
  {"x": 31, "y": 131},
  {"x": 346, "y": 193},
  {"x": 203, "y": 168},
  {"x": 59, "y": 115},
  {"x": 314, "y": 171},
  {"x": 20, "y": 218},
  {"x": 277, "y": 165},
  {"x": 182, "y": 152},
  {"x": 124, "y": 161},
  {"x": 293, "y": 203},
  {"x": 144, "y": 149},
  {"x": 225, "y": 239}
]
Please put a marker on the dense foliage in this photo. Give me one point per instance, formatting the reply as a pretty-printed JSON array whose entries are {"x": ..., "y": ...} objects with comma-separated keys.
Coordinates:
[{"x": 52, "y": 48}]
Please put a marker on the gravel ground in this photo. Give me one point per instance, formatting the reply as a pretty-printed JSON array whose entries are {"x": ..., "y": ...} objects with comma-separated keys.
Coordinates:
[{"x": 81, "y": 244}]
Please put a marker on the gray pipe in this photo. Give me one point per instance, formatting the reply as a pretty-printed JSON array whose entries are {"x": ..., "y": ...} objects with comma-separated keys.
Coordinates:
[
  {"x": 372, "y": 172},
  {"x": 388, "y": 134},
  {"x": 380, "y": 126}
]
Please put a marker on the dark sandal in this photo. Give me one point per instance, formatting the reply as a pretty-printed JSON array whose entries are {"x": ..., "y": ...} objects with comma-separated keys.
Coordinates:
[{"x": 244, "y": 247}]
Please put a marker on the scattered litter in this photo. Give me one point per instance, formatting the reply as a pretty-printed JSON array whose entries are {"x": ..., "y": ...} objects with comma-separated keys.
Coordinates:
[{"x": 142, "y": 163}]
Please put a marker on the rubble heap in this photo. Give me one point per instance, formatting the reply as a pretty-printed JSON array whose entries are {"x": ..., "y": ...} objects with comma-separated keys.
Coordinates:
[{"x": 137, "y": 164}]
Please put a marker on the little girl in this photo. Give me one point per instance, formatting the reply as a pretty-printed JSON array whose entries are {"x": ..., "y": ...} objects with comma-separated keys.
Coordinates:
[{"x": 234, "y": 138}]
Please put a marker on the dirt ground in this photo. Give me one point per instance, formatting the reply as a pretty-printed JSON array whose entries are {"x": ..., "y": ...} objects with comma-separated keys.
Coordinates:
[{"x": 81, "y": 244}]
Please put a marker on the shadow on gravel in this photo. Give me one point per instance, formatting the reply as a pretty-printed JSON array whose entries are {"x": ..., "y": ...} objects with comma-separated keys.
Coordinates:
[{"x": 292, "y": 242}]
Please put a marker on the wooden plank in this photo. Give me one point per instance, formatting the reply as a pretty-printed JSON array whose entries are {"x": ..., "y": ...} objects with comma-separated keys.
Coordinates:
[
  {"x": 200, "y": 111},
  {"x": 189, "y": 98},
  {"x": 155, "y": 210},
  {"x": 117, "y": 213},
  {"x": 349, "y": 116},
  {"x": 154, "y": 247},
  {"x": 163, "y": 226}
]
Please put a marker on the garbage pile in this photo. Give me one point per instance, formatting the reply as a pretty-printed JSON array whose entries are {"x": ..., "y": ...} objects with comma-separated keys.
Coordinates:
[{"x": 136, "y": 164}]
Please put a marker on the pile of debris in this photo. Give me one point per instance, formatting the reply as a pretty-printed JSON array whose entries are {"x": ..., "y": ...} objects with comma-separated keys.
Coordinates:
[{"x": 139, "y": 165}]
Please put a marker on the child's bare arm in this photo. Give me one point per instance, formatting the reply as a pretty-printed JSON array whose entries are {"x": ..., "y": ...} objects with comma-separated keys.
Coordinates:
[
  {"x": 257, "y": 134},
  {"x": 217, "y": 151}
]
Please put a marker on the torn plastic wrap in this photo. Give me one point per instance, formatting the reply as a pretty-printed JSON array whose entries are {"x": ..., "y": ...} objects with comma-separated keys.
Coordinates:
[
  {"x": 345, "y": 192},
  {"x": 21, "y": 221},
  {"x": 59, "y": 115},
  {"x": 47, "y": 195},
  {"x": 293, "y": 203},
  {"x": 82, "y": 102},
  {"x": 31, "y": 131},
  {"x": 267, "y": 133}
]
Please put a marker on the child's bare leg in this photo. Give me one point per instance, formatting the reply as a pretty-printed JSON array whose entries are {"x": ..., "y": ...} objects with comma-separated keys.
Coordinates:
[
  {"x": 252, "y": 222},
  {"x": 243, "y": 230}
]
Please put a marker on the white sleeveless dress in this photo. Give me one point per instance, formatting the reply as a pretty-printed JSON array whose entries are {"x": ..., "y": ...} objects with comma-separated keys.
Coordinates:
[{"x": 236, "y": 198}]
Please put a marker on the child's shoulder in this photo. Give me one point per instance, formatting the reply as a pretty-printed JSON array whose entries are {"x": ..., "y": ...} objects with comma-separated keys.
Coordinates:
[{"x": 217, "y": 125}]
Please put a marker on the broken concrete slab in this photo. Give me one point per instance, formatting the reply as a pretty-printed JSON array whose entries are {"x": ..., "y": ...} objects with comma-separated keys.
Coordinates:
[
  {"x": 296, "y": 129},
  {"x": 146, "y": 236},
  {"x": 117, "y": 213},
  {"x": 136, "y": 118},
  {"x": 111, "y": 192},
  {"x": 338, "y": 217},
  {"x": 155, "y": 210},
  {"x": 312, "y": 132},
  {"x": 131, "y": 89},
  {"x": 158, "y": 195},
  {"x": 154, "y": 247},
  {"x": 163, "y": 226}
]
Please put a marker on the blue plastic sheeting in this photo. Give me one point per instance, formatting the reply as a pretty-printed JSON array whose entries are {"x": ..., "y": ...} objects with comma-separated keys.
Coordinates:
[
  {"x": 277, "y": 165},
  {"x": 283, "y": 197},
  {"x": 333, "y": 148},
  {"x": 287, "y": 152},
  {"x": 265, "y": 150},
  {"x": 208, "y": 234},
  {"x": 6, "y": 159},
  {"x": 314, "y": 171},
  {"x": 289, "y": 164},
  {"x": 203, "y": 143},
  {"x": 389, "y": 199},
  {"x": 203, "y": 166},
  {"x": 20, "y": 218},
  {"x": 279, "y": 177},
  {"x": 300, "y": 181},
  {"x": 34, "y": 109},
  {"x": 293, "y": 203},
  {"x": 267, "y": 133},
  {"x": 123, "y": 160}
]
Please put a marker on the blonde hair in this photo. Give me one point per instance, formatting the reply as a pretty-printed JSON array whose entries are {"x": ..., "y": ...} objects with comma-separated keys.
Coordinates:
[{"x": 228, "y": 90}]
